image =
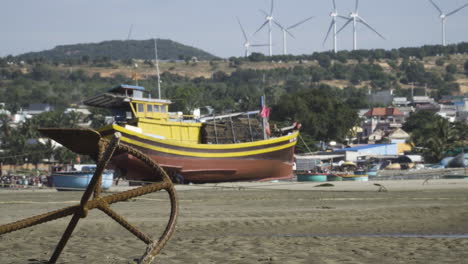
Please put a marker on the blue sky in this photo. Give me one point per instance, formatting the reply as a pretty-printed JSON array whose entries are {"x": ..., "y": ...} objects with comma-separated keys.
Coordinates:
[{"x": 35, "y": 25}]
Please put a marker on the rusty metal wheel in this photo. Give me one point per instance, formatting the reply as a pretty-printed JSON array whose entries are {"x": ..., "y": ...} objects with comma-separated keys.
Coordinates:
[{"x": 89, "y": 142}]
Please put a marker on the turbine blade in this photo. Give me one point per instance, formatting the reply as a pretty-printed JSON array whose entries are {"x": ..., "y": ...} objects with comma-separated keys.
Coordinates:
[
  {"x": 130, "y": 32},
  {"x": 458, "y": 9},
  {"x": 436, "y": 6},
  {"x": 347, "y": 23},
  {"x": 334, "y": 5},
  {"x": 299, "y": 23},
  {"x": 272, "y": 6},
  {"x": 278, "y": 24},
  {"x": 260, "y": 28},
  {"x": 242, "y": 28},
  {"x": 357, "y": 6},
  {"x": 282, "y": 28},
  {"x": 328, "y": 32},
  {"x": 264, "y": 12},
  {"x": 361, "y": 20},
  {"x": 343, "y": 17},
  {"x": 259, "y": 45},
  {"x": 290, "y": 34}
]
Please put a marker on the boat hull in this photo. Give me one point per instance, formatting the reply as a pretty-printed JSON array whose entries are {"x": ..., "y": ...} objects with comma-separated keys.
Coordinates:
[
  {"x": 78, "y": 180},
  {"x": 311, "y": 177},
  {"x": 201, "y": 163},
  {"x": 454, "y": 176},
  {"x": 332, "y": 177},
  {"x": 355, "y": 178}
]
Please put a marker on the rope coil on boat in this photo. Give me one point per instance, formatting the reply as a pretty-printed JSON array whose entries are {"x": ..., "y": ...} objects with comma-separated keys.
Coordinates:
[{"x": 106, "y": 148}]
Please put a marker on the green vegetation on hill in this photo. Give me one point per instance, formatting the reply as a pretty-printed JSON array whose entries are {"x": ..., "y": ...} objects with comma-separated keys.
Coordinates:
[
  {"x": 117, "y": 50},
  {"x": 322, "y": 91}
]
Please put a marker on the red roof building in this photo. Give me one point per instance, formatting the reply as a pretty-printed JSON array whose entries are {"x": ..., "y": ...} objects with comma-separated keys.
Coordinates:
[
  {"x": 382, "y": 118},
  {"x": 383, "y": 112}
]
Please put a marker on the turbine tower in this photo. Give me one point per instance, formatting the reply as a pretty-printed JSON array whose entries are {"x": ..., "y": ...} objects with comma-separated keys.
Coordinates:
[
  {"x": 287, "y": 31},
  {"x": 247, "y": 43},
  {"x": 334, "y": 15},
  {"x": 443, "y": 17},
  {"x": 269, "y": 20},
  {"x": 355, "y": 18}
]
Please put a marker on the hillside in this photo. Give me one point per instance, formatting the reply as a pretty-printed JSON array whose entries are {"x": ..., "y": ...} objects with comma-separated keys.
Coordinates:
[
  {"x": 235, "y": 84},
  {"x": 322, "y": 91},
  {"x": 206, "y": 69},
  {"x": 119, "y": 50}
]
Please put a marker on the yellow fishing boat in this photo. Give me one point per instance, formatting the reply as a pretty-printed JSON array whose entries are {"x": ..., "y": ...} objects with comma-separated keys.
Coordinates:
[{"x": 180, "y": 144}]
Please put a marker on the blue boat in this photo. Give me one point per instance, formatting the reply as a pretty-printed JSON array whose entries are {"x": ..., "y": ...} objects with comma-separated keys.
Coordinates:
[
  {"x": 79, "y": 180},
  {"x": 374, "y": 170},
  {"x": 359, "y": 175},
  {"x": 333, "y": 177},
  {"x": 355, "y": 178},
  {"x": 311, "y": 177},
  {"x": 455, "y": 176}
]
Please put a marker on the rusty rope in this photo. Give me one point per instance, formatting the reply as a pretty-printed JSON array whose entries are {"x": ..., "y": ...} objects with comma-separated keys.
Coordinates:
[{"x": 106, "y": 150}]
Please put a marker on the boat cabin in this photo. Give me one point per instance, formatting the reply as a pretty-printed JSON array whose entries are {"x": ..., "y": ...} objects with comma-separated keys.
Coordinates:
[{"x": 133, "y": 108}]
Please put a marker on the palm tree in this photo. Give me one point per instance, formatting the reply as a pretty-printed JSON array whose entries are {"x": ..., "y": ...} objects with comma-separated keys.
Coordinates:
[{"x": 437, "y": 138}]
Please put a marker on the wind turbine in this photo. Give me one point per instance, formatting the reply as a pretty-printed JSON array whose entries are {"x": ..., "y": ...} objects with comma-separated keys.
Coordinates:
[
  {"x": 247, "y": 43},
  {"x": 443, "y": 17},
  {"x": 334, "y": 15},
  {"x": 355, "y": 18},
  {"x": 269, "y": 20},
  {"x": 287, "y": 31}
]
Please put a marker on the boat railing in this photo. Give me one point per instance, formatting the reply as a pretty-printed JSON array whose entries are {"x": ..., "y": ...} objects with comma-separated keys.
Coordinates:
[{"x": 182, "y": 117}]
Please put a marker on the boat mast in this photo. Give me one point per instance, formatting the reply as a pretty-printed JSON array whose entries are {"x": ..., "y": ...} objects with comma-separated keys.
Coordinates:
[{"x": 157, "y": 68}]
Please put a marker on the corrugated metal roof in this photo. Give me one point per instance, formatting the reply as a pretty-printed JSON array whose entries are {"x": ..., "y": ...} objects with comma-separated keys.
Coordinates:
[{"x": 365, "y": 147}]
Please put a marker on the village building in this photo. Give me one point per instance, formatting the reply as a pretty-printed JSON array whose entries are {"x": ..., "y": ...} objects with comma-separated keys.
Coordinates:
[
  {"x": 400, "y": 102},
  {"x": 448, "y": 112},
  {"x": 425, "y": 103},
  {"x": 35, "y": 109},
  {"x": 385, "y": 119},
  {"x": 384, "y": 97}
]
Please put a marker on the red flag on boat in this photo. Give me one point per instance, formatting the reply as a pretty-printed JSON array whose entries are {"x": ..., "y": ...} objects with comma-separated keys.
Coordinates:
[{"x": 265, "y": 113}]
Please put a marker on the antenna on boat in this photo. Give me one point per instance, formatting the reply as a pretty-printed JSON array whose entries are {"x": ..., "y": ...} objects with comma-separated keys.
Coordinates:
[
  {"x": 135, "y": 74},
  {"x": 157, "y": 68}
]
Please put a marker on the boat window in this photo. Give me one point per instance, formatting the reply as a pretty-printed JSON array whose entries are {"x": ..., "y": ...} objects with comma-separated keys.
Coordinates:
[
  {"x": 163, "y": 109},
  {"x": 140, "y": 108},
  {"x": 156, "y": 108},
  {"x": 149, "y": 108}
]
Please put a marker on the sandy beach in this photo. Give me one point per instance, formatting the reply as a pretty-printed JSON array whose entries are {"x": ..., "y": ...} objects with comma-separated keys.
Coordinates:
[{"x": 281, "y": 222}]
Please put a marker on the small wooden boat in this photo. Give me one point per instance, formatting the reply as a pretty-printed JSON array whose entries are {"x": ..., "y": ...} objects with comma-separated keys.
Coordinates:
[
  {"x": 355, "y": 178},
  {"x": 334, "y": 177},
  {"x": 359, "y": 175},
  {"x": 456, "y": 176},
  {"x": 79, "y": 179},
  {"x": 311, "y": 177}
]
